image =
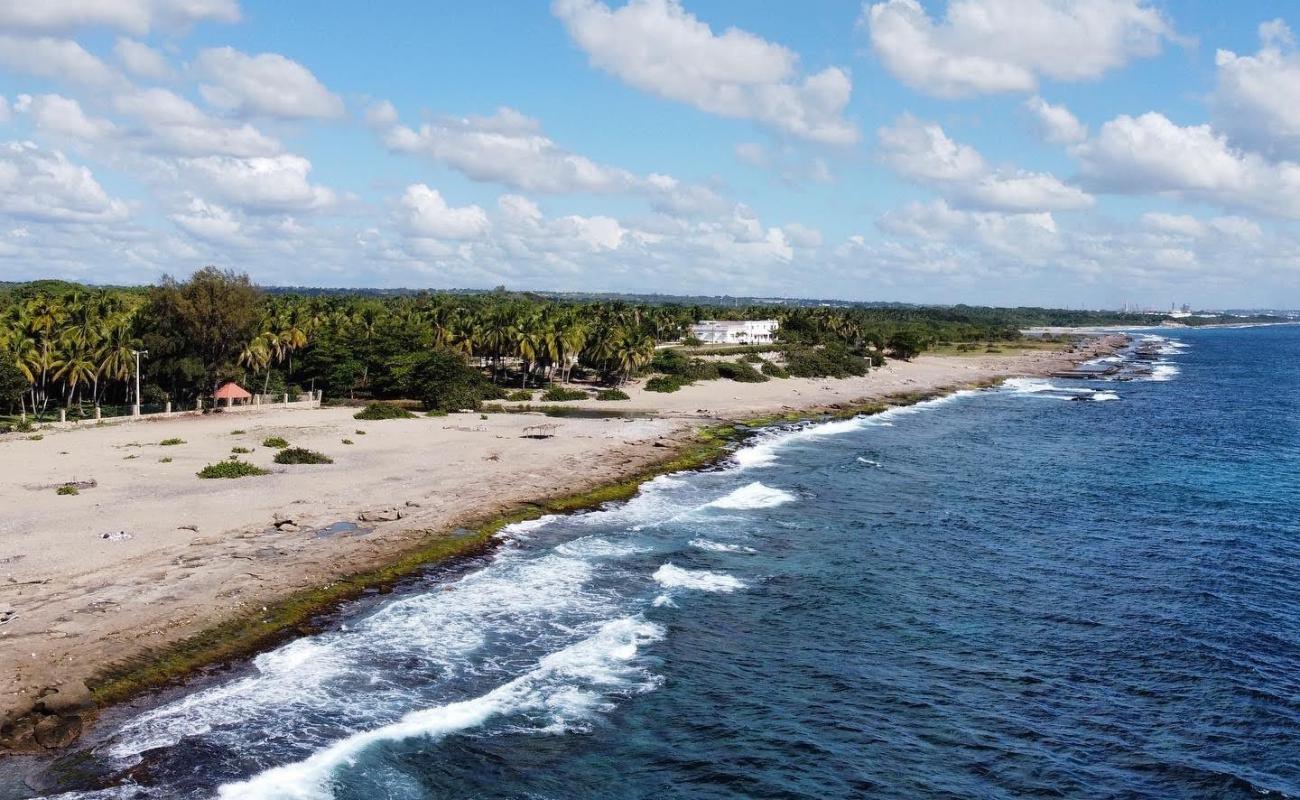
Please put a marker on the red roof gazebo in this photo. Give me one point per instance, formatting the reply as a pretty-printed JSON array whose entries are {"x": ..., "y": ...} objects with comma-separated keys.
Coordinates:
[{"x": 232, "y": 393}]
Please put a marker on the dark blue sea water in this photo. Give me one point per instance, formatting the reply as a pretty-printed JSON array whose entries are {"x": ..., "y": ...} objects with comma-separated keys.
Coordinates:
[{"x": 1003, "y": 594}]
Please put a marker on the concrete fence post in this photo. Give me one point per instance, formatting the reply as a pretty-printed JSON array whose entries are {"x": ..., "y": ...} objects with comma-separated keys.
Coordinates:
[
  {"x": 198, "y": 403},
  {"x": 168, "y": 409},
  {"x": 99, "y": 413},
  {"x": 135, "y": 410},
  {"x": 286, "y": 398},
  {"x": 63, "y": 415}
]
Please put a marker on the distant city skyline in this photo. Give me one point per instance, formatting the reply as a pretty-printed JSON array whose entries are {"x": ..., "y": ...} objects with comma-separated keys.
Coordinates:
[{"x": 1096, "y": 153}]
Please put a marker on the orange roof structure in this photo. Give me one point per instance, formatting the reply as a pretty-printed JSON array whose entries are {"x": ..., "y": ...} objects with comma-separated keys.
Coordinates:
[{"x": 232, "y": 391}]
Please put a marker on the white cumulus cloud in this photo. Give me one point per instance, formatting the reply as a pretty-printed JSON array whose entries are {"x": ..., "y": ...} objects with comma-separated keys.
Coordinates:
[
  {"x": 659, "y": 47},
  {"x": 424, "y": 212},
  {"x": 984, "y": 46},
  {"x": 267, "y": 84}
]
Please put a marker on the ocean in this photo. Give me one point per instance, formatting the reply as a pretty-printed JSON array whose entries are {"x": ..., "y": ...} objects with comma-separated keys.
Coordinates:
[{"x": 1049, "y": 589}]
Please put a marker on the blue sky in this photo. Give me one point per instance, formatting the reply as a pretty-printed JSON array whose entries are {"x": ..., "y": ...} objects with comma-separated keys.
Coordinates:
[{"x": 1086, "y": 153}]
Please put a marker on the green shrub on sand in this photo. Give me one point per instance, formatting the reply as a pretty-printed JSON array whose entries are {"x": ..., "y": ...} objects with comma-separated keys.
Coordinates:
[
  {"x": 171, "y": 442},
  {"x": 231, "y": 469},
  {"x": 378, "y": 411},
  {"x": 275, "y": 442},
  {"x": 300, "y": 455},
  {"x": 520, "y": 396},
  {"x": 612, "y": 394},
  {"x": 559, "y": 394},
  {"x": 68, "y": 489}
]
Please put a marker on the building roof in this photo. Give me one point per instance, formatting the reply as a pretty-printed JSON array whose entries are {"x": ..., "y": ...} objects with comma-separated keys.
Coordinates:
[{"x": 232, "y": 391}]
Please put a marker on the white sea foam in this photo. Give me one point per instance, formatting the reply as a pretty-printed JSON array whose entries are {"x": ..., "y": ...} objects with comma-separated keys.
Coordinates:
[
  {"x": 1101, "y": 397},
  {"x": 720, "y": 547},
  {"x": 671, "y": 576},
  {"x": 1163, "y": 371},
  {"x": 754, "y": 495},
  {"x": 565, "y": 685},
  {"x": 441, "y": 628},
  {"x": 763, "y": 450},
  {"x": 1040, "y": 386}
]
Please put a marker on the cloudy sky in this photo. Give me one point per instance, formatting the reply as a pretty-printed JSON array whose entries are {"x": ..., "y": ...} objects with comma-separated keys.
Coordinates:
[{"x": 1056, "y": 152}]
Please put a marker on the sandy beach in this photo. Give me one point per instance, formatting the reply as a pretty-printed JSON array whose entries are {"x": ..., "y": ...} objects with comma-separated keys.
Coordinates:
[{"x": 151, "y": 554}]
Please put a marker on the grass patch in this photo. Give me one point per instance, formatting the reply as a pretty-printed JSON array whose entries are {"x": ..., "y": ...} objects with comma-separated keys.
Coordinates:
[
  {"x": 68, "y": 489},
  {"x": 348, "y": 441},
  {"x": 36, "y": 437},
  {"x": 378, "y": 411},
  {"x": 359, "y": 432},
  {"x": 301, "y": 455},
  {"x": 437, "y": 412},
  {"x": 774, "y": 370},
  {"x": 171, "y": 442},
  {"x": 238, "y": 432},
  {"x": 232, "y": 469},
  {"x": 520, "y": 396},
  {"x": 612, "y": 394},
  {"x": 275, "y": 442},
  {"x": 240, "y": 451},
  {"x": 559, "y": 394},
  {"x": 165, "y": 460}
]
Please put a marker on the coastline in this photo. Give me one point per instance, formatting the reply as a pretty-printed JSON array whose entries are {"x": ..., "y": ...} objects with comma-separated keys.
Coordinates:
[{"x": 62, "y": 691}]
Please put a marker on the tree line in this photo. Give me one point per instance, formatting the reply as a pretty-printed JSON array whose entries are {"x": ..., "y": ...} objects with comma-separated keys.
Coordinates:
[{"x": 71, "y": 346}]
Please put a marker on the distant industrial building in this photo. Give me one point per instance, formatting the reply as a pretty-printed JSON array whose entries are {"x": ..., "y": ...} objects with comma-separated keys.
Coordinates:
[{"x": 754, "y": 331}]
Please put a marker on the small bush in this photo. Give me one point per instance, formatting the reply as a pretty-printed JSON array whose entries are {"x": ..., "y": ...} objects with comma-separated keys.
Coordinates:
[
  {"x": 171, "y": 442},
  {"x": 664, "y": 383},
  {"x": 299, "y": 455},
  {"x": 24, "y": 426},
  {"x": 740, "y": 372},
  {"x": 35, "y": 437},
  {"x": 520, "y": 396},
  {"x": 348, "y": 441},
  {"x": 232, "y": 469},
  {"x": 359, "y": 432},
  {"x": 774, "y": 370},
  {"x": 559, "y": 394},
  {"x": 831, "y": 361},
  {"x": 275, "y": 442},
  {"x": 238, "y": 432},
  {"x": 437, "y": 412},
  {"x": 68, "y": 489},
  {"x": 612, "y": 394},
  {"x": 165, "y": 460},
  {"x": 752, "y": 358},
  {"x": 239, "y": 451},
  {"x": 482, "y": 416},
  {"x": 378, "y": 411}
]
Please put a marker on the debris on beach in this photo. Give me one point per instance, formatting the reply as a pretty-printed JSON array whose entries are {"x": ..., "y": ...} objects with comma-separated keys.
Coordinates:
[
  {"x": 380, "y": 515},
  {"x": 115, "y": 536}
]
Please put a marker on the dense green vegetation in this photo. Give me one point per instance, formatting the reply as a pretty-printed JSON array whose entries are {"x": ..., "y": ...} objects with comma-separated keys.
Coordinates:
[
  {"x": 300, "y": 455},
  {"x": 231, "y": 469},
  {"x": 377, "y": 411},
  {"x": 66, "y": 345}
]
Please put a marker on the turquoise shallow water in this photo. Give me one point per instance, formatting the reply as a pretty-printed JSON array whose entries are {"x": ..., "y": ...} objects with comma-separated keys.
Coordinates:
[{"x": 1002, "y": 594}]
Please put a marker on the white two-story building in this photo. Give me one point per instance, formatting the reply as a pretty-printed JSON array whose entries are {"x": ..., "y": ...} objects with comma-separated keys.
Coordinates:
[{"x": 752, "y": 331}]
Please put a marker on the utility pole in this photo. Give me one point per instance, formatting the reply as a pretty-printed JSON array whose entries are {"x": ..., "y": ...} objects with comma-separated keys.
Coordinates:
[{"x": 138, "y": 353}]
